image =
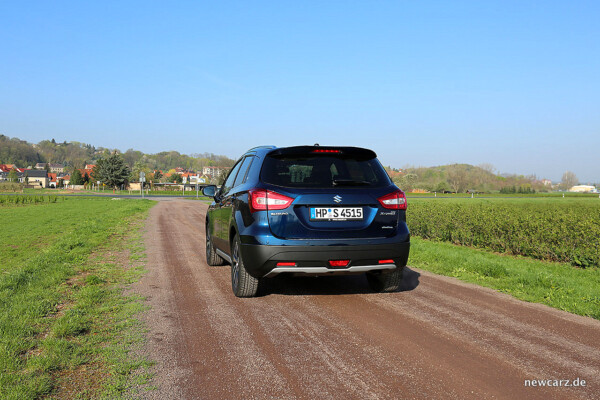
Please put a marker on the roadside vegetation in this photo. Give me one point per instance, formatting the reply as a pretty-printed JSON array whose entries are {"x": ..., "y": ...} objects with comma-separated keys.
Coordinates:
[
  {"x": 544, "y": 250},
  {"x": 65, "y": 326},
  {"x": 565, "y": 230},
  {"x": 557, "y": 285}
]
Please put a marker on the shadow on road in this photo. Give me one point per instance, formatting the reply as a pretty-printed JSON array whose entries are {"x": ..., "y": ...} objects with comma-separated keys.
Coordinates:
[{"x": 329, "y": 285}]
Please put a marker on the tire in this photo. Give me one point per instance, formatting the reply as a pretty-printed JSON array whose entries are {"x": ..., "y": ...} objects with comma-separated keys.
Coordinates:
[
  {"x": 242, "y": 283},
  {"x": 386, "y": 281},
  {"x": 212, "y": 258}
]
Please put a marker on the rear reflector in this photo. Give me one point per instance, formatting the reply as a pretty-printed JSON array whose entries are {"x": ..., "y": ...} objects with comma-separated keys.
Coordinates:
[
  {"x": 339, "y": 263},
  {"x": 286, "y": 264},
  {"x": 386, "y": 261}
]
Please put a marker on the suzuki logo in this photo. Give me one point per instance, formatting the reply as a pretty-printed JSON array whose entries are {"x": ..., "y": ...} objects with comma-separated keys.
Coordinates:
[{"x": 337, "y": 198}]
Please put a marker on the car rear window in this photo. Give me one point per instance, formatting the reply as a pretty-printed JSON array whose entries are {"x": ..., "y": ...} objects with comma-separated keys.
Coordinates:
[{"x": 323, "y": 172}]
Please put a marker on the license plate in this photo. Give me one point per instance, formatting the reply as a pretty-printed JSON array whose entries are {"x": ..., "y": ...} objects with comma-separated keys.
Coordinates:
[{"x": 336, "y": 213}]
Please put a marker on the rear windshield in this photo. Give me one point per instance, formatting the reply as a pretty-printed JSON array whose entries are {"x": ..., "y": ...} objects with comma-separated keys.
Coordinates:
[{"x": 323, "y": 172}]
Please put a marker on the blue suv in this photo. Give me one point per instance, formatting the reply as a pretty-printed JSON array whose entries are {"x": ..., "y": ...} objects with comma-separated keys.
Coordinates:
[{"x": 307, "y": 210}]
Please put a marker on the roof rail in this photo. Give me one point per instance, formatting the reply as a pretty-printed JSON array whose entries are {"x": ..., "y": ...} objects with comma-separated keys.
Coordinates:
[{"x": 263, "y": 147}]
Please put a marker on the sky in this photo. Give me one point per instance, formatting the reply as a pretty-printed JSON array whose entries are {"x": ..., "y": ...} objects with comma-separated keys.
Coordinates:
[{"x": 515, "y": 84}]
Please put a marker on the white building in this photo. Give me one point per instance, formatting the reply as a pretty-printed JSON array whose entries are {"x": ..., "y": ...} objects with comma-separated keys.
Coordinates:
[
  {"x": 583, "y": 189},
  {"x": 213, "y": 172}
]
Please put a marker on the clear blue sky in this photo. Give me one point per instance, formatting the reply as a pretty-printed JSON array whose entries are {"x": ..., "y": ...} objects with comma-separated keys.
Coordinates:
[{"x": 511, "y": 83}]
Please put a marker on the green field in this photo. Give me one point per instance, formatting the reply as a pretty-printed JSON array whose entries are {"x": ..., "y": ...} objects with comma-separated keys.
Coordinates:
[
  {"x": 558, "y": 285},
  {"x": 552, "y": 229},
  {"x": 189, "y": 193},
  {"x": 544, "y": 250},
  {"x": 65, "y": 327}
]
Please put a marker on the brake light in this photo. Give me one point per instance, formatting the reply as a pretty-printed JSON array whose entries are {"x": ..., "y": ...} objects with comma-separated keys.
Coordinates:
[
  {"x": 326, "y": 151},
  {"x": 394, "y": 201},
  {"x": 338, "y": 263},
  {"x": 263, "y": 200}
]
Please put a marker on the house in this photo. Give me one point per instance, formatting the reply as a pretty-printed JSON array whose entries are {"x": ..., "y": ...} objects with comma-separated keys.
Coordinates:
[
  {"x": 190, "y": 178},
  {"x": 6, "y": 167},
  {"x": 35, "y": 177},
  {"x": 55, "y": 168},
  {"x": 87, "y": 171},
  {"x": 214, "y": 172},
  {"x": 52, "y": 181},
  {"x": 89, "y": 166}
]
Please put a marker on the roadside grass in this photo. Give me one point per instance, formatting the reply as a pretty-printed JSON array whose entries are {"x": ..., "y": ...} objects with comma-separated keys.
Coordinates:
[
  {"x": 559, "y": 285},
  {"x": 109, "y": 192},
  {"x": 65, "y": 326}
]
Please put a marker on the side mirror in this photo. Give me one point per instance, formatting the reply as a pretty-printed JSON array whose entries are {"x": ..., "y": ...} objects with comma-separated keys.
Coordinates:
[{"x": 209, "y": 191}]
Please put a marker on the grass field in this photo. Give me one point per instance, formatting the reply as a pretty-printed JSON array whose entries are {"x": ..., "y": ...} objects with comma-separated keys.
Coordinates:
[
  {"x": 65, "y": 327},
  {"x": 558, "y": 285},
  {"x": 189, "y": 193}
]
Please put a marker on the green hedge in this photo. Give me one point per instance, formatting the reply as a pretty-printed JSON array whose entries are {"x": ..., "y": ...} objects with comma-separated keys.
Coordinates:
[{"x": 566, "y": 230}]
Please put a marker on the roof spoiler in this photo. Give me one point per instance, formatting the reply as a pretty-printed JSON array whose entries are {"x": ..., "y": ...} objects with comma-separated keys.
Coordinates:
[{"x": 324, "y": 151}]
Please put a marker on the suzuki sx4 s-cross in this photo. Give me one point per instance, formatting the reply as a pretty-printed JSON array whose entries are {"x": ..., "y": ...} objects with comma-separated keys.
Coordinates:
[{"x": 308, "y": 210}]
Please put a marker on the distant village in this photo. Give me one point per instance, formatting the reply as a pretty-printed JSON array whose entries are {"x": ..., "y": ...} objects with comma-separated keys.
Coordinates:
[{"x": 49, "y": 175}]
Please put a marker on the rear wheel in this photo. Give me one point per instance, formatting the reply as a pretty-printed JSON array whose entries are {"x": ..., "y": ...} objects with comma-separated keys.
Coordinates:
[
  {"x": 212, "y": 258},
  {"x": 385, "y": 281},
  {"x": 242, "y": 283}
]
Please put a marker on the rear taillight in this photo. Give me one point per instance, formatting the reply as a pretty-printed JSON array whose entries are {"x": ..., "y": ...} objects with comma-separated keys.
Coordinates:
[
  {"x": 263, "y": 200},
  {"x": 394, "y": 201}
]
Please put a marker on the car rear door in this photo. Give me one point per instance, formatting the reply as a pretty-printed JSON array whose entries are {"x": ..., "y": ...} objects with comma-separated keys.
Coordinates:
[{"x": 336, "y": 196}]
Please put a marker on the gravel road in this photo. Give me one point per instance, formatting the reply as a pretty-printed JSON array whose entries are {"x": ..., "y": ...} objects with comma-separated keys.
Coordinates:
[{"x": 331, "y": 338}]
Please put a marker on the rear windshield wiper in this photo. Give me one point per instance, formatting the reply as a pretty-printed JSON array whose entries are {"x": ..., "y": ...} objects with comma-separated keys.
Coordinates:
[{"x": 349, "y": 182}]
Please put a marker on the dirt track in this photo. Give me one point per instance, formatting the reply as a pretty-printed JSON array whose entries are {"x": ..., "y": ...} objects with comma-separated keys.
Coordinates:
[{"x": 323, "y": 338}]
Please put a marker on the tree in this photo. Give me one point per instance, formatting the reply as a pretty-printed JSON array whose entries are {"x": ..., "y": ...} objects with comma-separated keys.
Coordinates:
[
  {"x": 76, "y": 178},
  {"x": 26, "y": 178},
  {"x": 176, "y": 178},
  {"x": 47, "y": 167},
  {"x": 111, "y": 170},
  {"x": 408, "y": 182},
  {"x": 139, "y": 167},
  {"x": 457, "y": 177},
  {"x": 569, "y": 179},
  {"x": 13, "y": 176}
]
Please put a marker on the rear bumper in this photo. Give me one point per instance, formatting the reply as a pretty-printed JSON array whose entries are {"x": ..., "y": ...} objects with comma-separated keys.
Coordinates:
[{"x": 261, "y": 260}]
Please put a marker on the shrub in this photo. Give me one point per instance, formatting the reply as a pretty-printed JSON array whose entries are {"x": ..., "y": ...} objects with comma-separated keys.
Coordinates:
[{"x": 554, "y": 230}]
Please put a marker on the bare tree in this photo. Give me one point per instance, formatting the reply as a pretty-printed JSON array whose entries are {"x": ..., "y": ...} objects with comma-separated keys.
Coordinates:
[
  {"x": 569, "y": 179},
  {"x": 457, "y": 177}
]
